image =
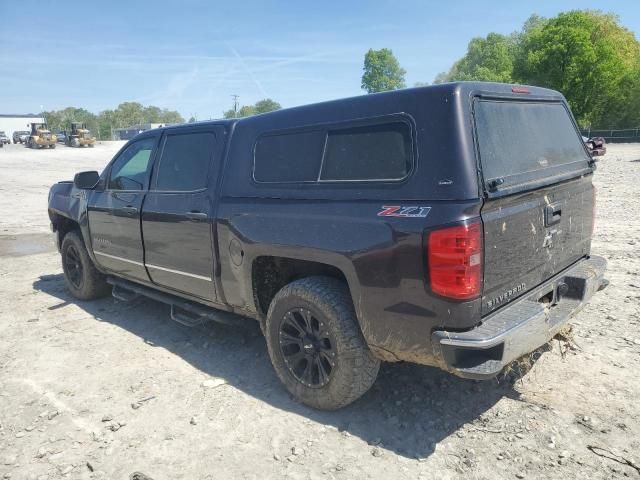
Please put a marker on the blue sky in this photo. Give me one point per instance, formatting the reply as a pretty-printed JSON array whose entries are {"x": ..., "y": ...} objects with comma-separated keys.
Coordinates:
[{"x": 191, "y": 56}]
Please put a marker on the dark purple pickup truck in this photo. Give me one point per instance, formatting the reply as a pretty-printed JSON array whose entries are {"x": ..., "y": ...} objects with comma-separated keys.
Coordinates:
[{"x": 447, "y": 225}]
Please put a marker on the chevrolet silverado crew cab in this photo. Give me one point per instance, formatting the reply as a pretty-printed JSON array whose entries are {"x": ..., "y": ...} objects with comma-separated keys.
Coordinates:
[{"x": 447, "y": 225}]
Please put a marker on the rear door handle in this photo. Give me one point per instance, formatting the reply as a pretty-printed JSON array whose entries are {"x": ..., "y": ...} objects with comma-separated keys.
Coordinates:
[
  {"x": 129, "y": 210},
  {"x": 196, "y": 216},
  {"x": 552, "y": 214}
]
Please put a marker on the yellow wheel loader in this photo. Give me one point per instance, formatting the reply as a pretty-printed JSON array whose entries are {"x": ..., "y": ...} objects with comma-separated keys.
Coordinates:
[
  {"x": 40, "y": 136},
  {"x": 80, "y": 136}
]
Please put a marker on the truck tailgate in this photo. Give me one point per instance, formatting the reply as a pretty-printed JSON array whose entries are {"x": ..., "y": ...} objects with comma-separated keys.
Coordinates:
[
  {"x": 531, "y": 236},
  {"x": 538, "y": 212}
]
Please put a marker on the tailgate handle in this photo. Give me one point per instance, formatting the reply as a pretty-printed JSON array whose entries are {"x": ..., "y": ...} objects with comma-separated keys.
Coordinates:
[{"x": 552, "y": 214}]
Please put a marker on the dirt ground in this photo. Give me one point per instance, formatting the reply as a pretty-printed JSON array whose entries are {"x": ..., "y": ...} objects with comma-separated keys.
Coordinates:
[{"x": 104, "y": 389}]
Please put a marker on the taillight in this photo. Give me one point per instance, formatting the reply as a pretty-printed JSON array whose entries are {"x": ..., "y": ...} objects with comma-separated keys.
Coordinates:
[{"x": 454, "y": 258}]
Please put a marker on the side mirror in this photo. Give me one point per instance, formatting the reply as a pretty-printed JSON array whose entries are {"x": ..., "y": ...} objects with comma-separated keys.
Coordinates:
[{"x": 86, "y": 180}]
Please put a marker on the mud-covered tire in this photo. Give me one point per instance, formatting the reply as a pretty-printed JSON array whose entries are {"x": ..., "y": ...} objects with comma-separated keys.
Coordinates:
[
  {"x": 85, "y": 282},
  {"x": 354, "y": 368}
]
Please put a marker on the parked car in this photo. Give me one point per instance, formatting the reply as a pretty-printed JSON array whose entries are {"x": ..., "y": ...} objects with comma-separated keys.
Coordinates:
[
  {"x": 20, "y": 136},
  {"x": 61, "y": 136},
  {"x": 3, "y": 138},
  {"x": 347, "y": 234},
  {"x": 595, "y": 145}
]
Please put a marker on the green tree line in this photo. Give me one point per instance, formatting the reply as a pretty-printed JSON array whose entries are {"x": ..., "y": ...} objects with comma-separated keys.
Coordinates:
[
  {"x": 262, "y": 106},
  {"x": 585, "y": 54},
  {"x": 124, "y": 115},
  {"x": 133, "y": 113}
]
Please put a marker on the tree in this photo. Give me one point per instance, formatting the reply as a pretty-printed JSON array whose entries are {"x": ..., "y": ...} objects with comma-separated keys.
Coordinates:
[
  {"x": 262, "y": 106},
  {"x": 61, "y": 119},
  {"x": 106, "y": 121},
  {"x": 382, "y": 71},
  {"x": 152, "y": 114},
  {"x": 487, "y": 59},
  {"x": 589, "y": 57},
  {"x": 129, "y": 113},
  {"x": 125, "y": 115},
  {"x": 442, "y": 77},
  {"x": 266, "y": 105},
  {"x": 170, "y": 117}
]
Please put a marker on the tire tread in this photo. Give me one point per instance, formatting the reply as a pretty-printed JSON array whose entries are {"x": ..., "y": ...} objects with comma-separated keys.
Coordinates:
[
  {"x": 331, "y": 296},
  {"x": 95, "y": 284}
]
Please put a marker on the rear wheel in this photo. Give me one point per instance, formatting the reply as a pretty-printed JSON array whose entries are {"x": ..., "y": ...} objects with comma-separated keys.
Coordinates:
[
  {"x": 82, "y": 278},
  {"x": 316, "y": 346}
]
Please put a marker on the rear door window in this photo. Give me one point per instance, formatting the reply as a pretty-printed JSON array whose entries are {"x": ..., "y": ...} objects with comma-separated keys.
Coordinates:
[
  {"x": 184, "y": 163},
  {"x": 524, "y": 141}
]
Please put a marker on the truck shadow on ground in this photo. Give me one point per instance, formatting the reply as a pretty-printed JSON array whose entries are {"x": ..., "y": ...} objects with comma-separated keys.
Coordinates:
[{"x": 408, "y": 411}]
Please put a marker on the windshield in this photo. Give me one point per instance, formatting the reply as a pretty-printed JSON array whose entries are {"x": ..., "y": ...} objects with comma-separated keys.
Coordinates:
[{"x": 519, "y": 140}]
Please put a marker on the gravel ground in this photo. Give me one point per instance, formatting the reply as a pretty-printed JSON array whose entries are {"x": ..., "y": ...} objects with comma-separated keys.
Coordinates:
[{"x": 103, "y": 389}]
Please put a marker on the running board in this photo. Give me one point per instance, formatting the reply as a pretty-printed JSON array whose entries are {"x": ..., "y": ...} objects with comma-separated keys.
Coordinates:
[
  {"x": 186, "y": 318},
  {"x": 183, "y": 311},
  {"x": 123, "y": 294}
]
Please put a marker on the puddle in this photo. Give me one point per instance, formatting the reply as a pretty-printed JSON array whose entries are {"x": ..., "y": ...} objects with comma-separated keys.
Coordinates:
[{"x": 26, "y": 244}]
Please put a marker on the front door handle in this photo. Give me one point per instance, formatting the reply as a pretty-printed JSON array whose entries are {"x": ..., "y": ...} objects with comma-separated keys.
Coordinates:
[
  {"x": 129, "y": 210},
  {"x": 196, "y": 216}
]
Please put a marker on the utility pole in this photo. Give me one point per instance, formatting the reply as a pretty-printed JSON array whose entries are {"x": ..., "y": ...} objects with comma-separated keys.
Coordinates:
[{"x": 235, "y": 105}]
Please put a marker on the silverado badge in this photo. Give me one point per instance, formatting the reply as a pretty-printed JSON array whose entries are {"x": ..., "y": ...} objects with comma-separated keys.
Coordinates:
[{"x": 506, "y": 295}]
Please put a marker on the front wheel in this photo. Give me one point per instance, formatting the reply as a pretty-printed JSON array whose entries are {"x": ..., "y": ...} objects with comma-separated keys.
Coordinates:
[
  {"x": 82, "y": 278},
  {"x": 316, "y": 346}
]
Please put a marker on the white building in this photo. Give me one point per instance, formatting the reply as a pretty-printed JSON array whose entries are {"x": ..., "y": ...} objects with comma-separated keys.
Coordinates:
[{"x": 11, "y": 123}]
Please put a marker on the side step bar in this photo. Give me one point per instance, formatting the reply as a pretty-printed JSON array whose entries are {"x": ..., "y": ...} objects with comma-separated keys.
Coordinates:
[
  {"x": 182, "y": 311},
  {"x": 123, "y": 294}
]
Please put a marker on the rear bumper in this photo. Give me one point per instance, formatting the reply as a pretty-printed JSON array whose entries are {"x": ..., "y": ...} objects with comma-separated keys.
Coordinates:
[{"x": 522, "y": 326}]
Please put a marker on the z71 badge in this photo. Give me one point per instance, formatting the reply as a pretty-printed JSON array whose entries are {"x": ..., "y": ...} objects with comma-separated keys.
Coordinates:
[{"x": 405, "y": 212}]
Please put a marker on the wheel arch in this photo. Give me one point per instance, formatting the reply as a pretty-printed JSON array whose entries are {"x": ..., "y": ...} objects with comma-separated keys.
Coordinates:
[
  {"x": 269, "y": 274},
  {"x": 61, "y": 225}
]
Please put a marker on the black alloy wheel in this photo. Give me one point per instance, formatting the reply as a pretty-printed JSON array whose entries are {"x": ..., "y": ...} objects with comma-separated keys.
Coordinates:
[
  {"x": 73, "y": 266},
  {"x": 307, "y": 348}
]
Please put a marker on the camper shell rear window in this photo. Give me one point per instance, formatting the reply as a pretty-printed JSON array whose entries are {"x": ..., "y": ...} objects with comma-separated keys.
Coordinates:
[{"x": 524, "y": 141}]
